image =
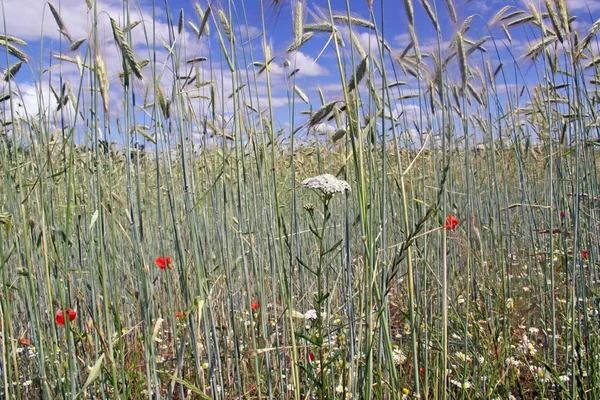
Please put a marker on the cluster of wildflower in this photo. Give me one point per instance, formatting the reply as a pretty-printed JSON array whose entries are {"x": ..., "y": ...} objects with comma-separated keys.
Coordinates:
[
  {"x": 399, "y": 356},
  {"x": 326, "y": 183},
  {"x": 462, "y": 385},
  {"x": 527, "y": 347},
  {"x": 540, "y": 373}
]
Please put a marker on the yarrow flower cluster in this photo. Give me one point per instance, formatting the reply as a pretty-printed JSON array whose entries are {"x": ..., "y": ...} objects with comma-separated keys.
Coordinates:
[
  {"x": 399, "y": 356},
  {"x": 326, "y": 183},
  {"x": 310, "y": 315}
]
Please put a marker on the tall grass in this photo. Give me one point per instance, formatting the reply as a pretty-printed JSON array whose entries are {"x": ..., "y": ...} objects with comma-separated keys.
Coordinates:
[{"x": 461, "y": 263}]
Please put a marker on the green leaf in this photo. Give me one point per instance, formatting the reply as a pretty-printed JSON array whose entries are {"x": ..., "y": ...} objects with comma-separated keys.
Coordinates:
[
  {"x": 94, "y": 373},
  {"x": 190, "y": 386},
  {"x": 94, "y": 218}
]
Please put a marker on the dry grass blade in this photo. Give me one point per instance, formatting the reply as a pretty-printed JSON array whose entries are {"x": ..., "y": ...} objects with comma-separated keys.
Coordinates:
[
  {"x": 126, "y": 50},
  {"x": 12, "y": 71},
  {"x": 321, "y": 113},
  {"x": 76, "y": 44},
  {"x": 62, "y": 28},
  {"x": 451, "y": 10},
  {"x": 361, "y": 70},
  {"x": 431, "y": 14}
]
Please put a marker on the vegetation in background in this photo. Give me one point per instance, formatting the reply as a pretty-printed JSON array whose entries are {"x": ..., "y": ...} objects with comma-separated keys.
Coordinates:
[{"x": 356, "y": 250}]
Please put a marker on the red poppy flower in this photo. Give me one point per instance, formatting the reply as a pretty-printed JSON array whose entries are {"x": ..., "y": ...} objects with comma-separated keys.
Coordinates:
[
  {"x": 562, "y": 214},
  {"x": 451, "y": 222},
  {"x": 24, "y": 341},
  {"x": 421, "y": 371},
  {"x": 255, "y": 305},
  {"x": 584, "y": 254},
  {"x": 163, "y": 262},
  {"x": 179, "y": 315},
  {"x": 311, "y": 356},
  {"x": 60, "y": 318}
]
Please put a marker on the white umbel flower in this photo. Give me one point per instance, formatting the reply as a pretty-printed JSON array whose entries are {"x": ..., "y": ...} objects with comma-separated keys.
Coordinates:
[{"x": 326, "y": 183}]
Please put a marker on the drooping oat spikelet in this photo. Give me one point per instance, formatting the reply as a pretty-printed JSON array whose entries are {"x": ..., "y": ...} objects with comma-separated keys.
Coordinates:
[
  {"x": 517, "y": 22},
  {"x": 563, "y": 13},
  {"x": 102, "y": 81},
  {"x": 498, "y": 16},
  {"x": 76, "y": 44},
  {"x": 359, "y": 74},
  {"x": 587, "y": 39},
  {"x": 538, "y": 48},
  {"x": 62, "y": 28},
  {"x": 131, "y": 26},
  {"x": 410, "y": 12},
  {"x": 14, "y": 50},
  {"x": 466, "y": 24},
  {"x": 474, "y": 93},
  {"x": 478, "y": 45},
  {"x": 340, "y": 133},
  {"x": 203, "y": 15},
  {"x": 180, "y": 22},
  {"x": 12, "y": 71},
  {"x": 353, "y": 20},
  {"x": 225, "y": 25},
  {"x": 554, "y": 20},
  {"x": 195, "y": 60},
  {"x": 462, "y": 59},
  {"x": 12, "y": 39},
  {"x": 301, "y": 94},
  {"x": 319, "y": 27},
  {"x": 126, "y": 50},
  {"x": 507, "y": 34},
  {"x": 374, "y": 93},
  {"x": 298, "y": 22},
  {"x": 431, "y": 14},
  {"x": 305, "y": 38},
  {"x": 415, "y": 42},
  {"x": 451, "y": 10},
  {"x": 321, "y": 113}
]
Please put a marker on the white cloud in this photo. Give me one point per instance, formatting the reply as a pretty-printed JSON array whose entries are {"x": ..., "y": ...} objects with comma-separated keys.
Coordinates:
[
  {"x": 306, "y": 65},
  {"x": 585, "y": 5}
]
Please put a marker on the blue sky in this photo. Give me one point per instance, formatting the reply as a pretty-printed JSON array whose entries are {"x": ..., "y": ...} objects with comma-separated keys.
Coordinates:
[{"x": 316, "y": 60}]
